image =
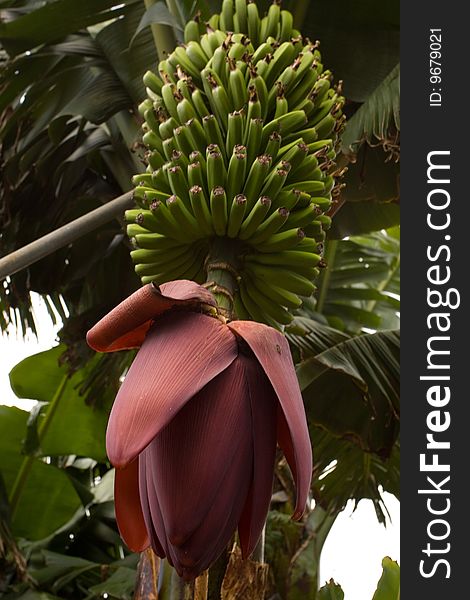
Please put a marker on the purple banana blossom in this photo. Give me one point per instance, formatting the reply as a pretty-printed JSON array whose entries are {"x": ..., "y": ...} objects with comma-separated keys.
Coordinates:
[{"x": 194, "y": 427}]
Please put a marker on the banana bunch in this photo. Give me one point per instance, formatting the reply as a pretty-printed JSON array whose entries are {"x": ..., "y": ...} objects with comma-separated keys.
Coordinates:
[{"x": 241, "y": 125}]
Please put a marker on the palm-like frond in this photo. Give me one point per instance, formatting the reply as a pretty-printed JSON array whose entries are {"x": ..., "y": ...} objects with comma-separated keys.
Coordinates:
[
  {"x": 377, "y": 121},
  {"x": 68, "y": 139},
  {"x": 361, "y": 285}
]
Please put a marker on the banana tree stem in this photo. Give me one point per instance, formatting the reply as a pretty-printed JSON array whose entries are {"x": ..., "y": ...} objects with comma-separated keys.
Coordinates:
[
  {"x": 49, "y": 243},
  {"x": 28, "y": 461}
]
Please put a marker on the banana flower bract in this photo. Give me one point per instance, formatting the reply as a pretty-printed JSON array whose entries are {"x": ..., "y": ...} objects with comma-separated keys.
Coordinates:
[{"x": 193, "y": 430}]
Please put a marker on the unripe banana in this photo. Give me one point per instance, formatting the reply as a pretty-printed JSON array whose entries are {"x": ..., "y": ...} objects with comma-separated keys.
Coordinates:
[
  {"x": 226, "y": 15},
  {"x": 253, "y": 23},
  {"x": 179, "y": 183},
  {"x": 286, "y": 240},
  {"x": 183, "y": 217},
  {"x": 212, "y": 130},
  {"x": 255, "y": 179},
  {"x": 199, "y": 103},
  {"x": 236, "y": 174},
  {"x": 268, "y": 307},
  {"x": 226, "y": 122},
  {"x": 200, "y": 209},
  {"x": 269, "y": 227},
  {"x": 255, "y": 217},
  {"x": 184, "y": 139},
  {"x": 298, "y": 284},
  {"x": 219, "y": 210},
  {"x": 287, "y": 22},
  {"x": 235, "y": 130},
  {"x": 237, "y": 213},
  {"x": 152, "y": 241},
  {"x": 274, "y": 183},
  {"x": 286, "y": 258},
  {"x": 191, "y": 32},
  {"x": 216, "y": 174},
  {"x": 253, "y": 137},
  {"x": 253, "y": 309},
  {"x": 133, "y": 230},
  {"x": 166, "y": 128}
]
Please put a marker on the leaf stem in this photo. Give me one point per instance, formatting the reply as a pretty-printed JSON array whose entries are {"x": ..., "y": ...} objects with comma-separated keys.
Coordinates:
[
  {"x": 28, "y": 461},
  {"x": 331, "y": 247},
  {"x": 163, "y": 36}
]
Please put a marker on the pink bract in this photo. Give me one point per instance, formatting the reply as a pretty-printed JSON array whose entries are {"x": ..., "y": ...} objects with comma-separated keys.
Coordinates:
[{"x": 193, "y": 429}]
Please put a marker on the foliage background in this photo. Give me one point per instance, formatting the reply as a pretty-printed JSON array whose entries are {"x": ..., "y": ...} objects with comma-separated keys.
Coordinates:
[{"x": 70, "y": 81}]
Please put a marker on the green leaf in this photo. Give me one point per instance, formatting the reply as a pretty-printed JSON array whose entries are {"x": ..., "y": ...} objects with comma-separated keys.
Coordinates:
[
  {"x": 315, "y": 337},
  {"x": 33, "y": 595},
  {"x": 76, "y": 427},
  {"x": 370, "y": 200},
  {"x": 378, "y": 119},
  {"x": 388, "y": 587},
  {"x": 128, "y": 61},
  {"x": 343, "y": 471},
  {"x": 48, "y": 499},
  {"x": 330, "y": 591},
  {"x": 120, "y": 585},
  {"x": 362, "y": 375},
  {"x": 361, "y": 284},
  {"x": 360, "y": 46},
  {"x": 355, "y": 218},
  {"x": 47, "y": 23},
  {"x": 156, "y": 13}
]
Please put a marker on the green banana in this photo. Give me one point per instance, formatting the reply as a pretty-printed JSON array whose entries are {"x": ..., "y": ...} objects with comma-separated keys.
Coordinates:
[
  {"x": 237, "y": 87},
  {"x": 241, "y": 13},
  {"x": 285, "y": 124},
  {"x": 268, "y": 307},
  {"x": 226, "y": 15},
  {"x": 253, "y": 309},
  {"x": 200, "y": 209},
  {"x": 255, "y": 179},
  {"x": 239, "y": 309},
  {"x": 269, "y": 227},
  {"x": 169, "y": 265},
  {"x": 191, "y": 32},
  {"x": 254, "y": 217},
  {"x": 184, "y": 139},
  {"x": 196, "y": 176},
  {"x": 152, "y": 241},
  {"x": 274, "y": 182},
  {"x": 287, "y": 23},
  {"x": 288, "y": 280},
  {"x": 213, "y": 131},
  {"x": 234, "y": 117},
  {"x": 199, "y": 103},
  {"x": 184, "y": 217},
  {"x": 236, "y": 173},
  {"x": 133, "y": 230},
  {"x": 219, "y": 210},
  {"x": 237, "y": 213},
  {"x": 286, "y": 240},
  {"x": 216, "y": 173},
  {"x": 253, "y": 23},
  {"x": 179, "y": 183},
  {"x": 235, "y": 129},
  {"x": 286, "y": 258}
]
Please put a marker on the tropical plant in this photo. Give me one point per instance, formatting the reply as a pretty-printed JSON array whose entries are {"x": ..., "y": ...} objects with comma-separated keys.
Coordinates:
[{"x": 70, "y": 91}]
